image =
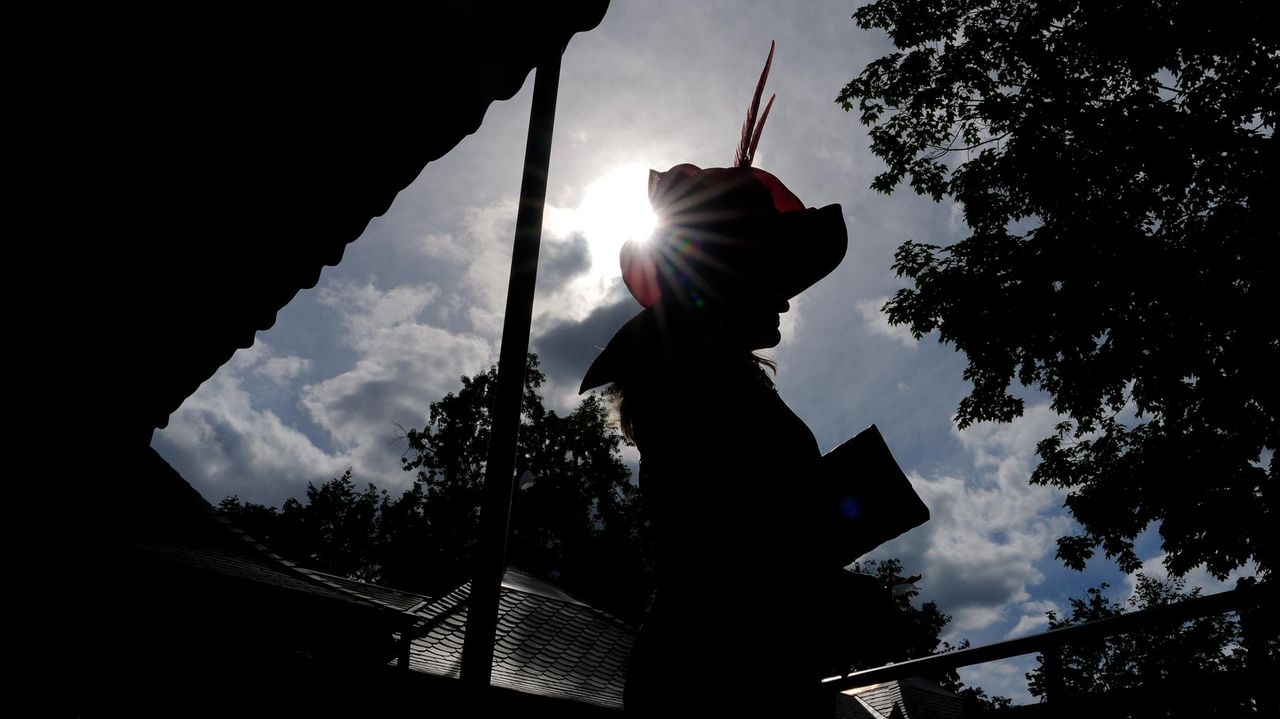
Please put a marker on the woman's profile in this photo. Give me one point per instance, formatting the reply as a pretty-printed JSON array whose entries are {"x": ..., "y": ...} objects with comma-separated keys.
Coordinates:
[{"x": 741, "y": 619}]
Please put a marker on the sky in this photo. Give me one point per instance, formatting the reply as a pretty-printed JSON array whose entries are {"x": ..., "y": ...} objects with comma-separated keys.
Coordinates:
[{"x": 417, "y": 302}]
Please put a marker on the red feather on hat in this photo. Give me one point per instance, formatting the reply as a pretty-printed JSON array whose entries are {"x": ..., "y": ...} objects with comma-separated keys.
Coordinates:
[{"x": 751, "y": 129}]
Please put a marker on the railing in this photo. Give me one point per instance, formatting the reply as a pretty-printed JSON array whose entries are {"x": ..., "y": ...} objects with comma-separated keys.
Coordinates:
[{"x": 1250, "y": 601}]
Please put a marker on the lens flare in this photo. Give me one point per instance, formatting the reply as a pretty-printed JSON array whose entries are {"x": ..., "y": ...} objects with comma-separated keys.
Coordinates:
[{"x": 614, "y": 209}]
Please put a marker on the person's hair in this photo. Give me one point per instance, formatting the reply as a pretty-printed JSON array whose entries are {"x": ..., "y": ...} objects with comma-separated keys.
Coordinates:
[{"x": 617, "y": 393}]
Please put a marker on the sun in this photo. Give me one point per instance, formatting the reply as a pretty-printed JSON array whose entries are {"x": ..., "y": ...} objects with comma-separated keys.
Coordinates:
[{"x": 614, "y": 209}]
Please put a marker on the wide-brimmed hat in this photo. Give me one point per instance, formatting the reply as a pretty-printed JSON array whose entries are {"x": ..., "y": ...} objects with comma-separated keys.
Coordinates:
[
  {"x": 721, "y": 232},
  {"x": 730, "y": 227}
]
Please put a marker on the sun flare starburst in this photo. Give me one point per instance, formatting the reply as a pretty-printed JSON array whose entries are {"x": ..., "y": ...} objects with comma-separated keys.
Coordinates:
[{"x": 614, "y": 209}]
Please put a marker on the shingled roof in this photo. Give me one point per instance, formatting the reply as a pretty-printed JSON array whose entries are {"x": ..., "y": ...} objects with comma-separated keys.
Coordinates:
[
  {"x": 396, "y": 599},
  {"x": 553, "y": 644},
  {"x": 160, "y": 524},
  {"x": 851, "y": 708},
  {"x": 911, "y": 698},
  {"x": 548, "y": 642}
]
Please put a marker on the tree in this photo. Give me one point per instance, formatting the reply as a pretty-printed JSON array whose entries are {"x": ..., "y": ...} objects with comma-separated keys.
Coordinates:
[
  {"x": 577, "y": 521},
  {"x": 918, "y": 633},
  {"x": 921, "y": 633},
  {"x": 1117, "y": 162},
  {"x": 1139, "y": 659},
  {"x": 337, "y": 530}
]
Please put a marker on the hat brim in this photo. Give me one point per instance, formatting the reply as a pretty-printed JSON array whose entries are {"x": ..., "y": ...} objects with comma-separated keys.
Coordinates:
[{"x": 810, "y": 245}]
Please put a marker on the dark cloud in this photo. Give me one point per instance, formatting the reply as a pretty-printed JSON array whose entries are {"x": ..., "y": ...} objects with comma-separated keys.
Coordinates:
[
  {"x": 562, "y": 261},
  {"x": 567, "y": 349}
]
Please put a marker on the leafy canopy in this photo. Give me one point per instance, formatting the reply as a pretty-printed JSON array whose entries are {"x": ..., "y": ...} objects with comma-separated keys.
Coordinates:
[
  {"x": 918, "y": 633},
  {"x": 1187, "y": 652},
  {"x": 1116, "y": 163},
  {"x": 336, "y": 529},
  {"x": 578, "y": 522}
]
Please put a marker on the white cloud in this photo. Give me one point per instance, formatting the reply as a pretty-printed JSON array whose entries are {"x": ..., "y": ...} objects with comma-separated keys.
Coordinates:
[
  {"x": 1034, "y": 618},
  {"x": 284, "y": 368},
  {"x": 403, "y": 366},
  {"x": 988, "y": 530},
  {"x": 878, "y": 324},
  {"x": 488, "y": 233},
  {"x": 367, "y": 310},
  {"x": 480, "y": 255},
  {"x": 224, "y": 444},
  {"x": 840, "y": 157},
  {"x": 442, "y": 246},
  {"x": 1007, "y": 677},
  {"x": 975, "y": 617},
  {"x": 225, "y": 440}
]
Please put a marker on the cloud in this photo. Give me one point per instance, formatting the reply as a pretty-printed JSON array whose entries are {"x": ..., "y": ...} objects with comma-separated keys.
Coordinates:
[
  {"x": 366, "y": 310},
  {"x": 282, "y": 369},
  {"x": 442, "y": 246},
  {"x": 488, "y": 233},
  {"x": 568, "y": 347},
  {"x": 403, "y": 366},
  {"x": 227, "y": 438},
  {"x": 479, "y": 257},
  {"x": 562, "y": 261},
  {"x": 1007, "y": 677},
  {"x": 224, "y": 444},
  {"x": 877, "y": 323},
  {"x": 1034, "y": 618},
  {"x": 989, "y": 528}
]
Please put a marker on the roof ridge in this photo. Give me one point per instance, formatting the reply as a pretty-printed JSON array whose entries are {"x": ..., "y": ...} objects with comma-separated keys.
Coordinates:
[
  {"x": 173, "y": 479},
  {"x": 341, "y": 584},
  {"x": 574, "y": 601},
  {"x": 872, "y": 710},
  {"x": 294, "y": 568}
]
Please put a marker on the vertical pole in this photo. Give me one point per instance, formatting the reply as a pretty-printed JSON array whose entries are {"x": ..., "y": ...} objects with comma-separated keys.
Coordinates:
[
  {"x": 1258, "y": 664},
  {"x": 404, "y": 648},
  {"x": 499, "y": 480},
  {"x": 1054, "y": 681}
]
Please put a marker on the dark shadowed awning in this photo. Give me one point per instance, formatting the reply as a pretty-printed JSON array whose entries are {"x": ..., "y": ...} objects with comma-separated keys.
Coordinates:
[
  {"x": 235, "y": 150},
  {"x": 197, "y": 167}
]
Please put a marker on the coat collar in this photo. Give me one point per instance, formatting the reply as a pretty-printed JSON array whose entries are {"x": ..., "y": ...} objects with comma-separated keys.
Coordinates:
[{"x": 635, "y": 338}]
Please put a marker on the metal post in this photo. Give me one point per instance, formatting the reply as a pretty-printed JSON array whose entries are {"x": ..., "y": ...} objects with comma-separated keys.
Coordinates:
[
  {"x": 1054, "y": 682},
  {"x": 499, "y": 481},
  {"x": 1258, "y": 662}
]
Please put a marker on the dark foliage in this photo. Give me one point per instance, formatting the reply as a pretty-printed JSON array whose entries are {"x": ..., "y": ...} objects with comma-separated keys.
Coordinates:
[
  {"x": 337, "y": 530},
  {"x": 1131, "y": 661},
  {"x": 576, "y": 519},
  {"x": 1116, "y": 163},
  {"x": 922, "y": 634},
  {"x": 577, "y": 522}
]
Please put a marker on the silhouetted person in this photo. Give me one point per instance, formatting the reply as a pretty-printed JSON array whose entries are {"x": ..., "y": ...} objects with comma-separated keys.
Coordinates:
[{"x": 746, "y": 556}]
